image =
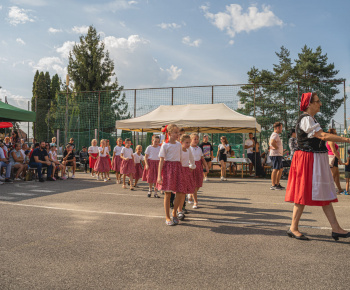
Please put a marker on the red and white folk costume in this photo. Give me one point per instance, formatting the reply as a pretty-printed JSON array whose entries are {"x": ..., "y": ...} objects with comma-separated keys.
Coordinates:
[
  {"x": 187, "y": 161},
  {"x": 171, "y": 172},
  {"x": 127, "y": 166},
  {"x": 198, "y": 172},
  {"x": 310, "y": 180},
  {"x": 102, "y": 164},
  {"x": 138, "y": 166},
  {"x": 150, "y": 175},
  {"x": 93, "y": 150},
  {"x": 117, "y": 161}
]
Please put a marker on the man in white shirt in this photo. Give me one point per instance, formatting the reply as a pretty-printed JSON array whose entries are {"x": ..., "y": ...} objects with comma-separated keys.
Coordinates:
[
  {"x": 276, "y": 155},
  {"x": 249, "y": 145}
]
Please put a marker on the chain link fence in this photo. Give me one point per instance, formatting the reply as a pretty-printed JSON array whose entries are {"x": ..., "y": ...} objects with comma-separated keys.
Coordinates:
[{"x": 88, "y": 115}]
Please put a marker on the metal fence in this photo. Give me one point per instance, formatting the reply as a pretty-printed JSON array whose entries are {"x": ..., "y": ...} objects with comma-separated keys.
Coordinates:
[{"x": 88, "y": 115}]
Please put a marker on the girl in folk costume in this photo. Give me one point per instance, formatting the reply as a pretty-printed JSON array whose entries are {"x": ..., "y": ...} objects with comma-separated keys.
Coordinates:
[
  {"x": 139, "y": 162},
  {"x": 150, "y": 173},
  {"x": 198, "y": 172},
  {"x": 116, "y": 160},
  {"x": 127, "y": 167},
  {"x": 93, "y": 154},
  {"x": 102, "y": 164},
  {"x": 169, "y": 172},
  {"x": 310, "y": 180},
  {"x": 187, "y": 185},
  {"x": 108, "y": 158}
]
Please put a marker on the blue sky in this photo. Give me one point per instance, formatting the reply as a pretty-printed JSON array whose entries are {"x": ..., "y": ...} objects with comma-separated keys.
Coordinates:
[{"x": 158, "y": 43}]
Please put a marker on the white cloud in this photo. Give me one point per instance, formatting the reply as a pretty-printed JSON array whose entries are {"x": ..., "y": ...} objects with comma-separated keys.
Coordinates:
[
  {"x": 174, "y": 72},
  {"x": 20, "y": 41},
  {"x": 80, "y": 29},
  {"x": 112, "y": 6},
  {"x": 14, "y": 100},
  {"x": 231, "y": 42},
  {"x": 3, "y": 59},
  {"x": 65, "y": 49},
  {"x": 122, "y": 23},
  {"x": 129, "y": 43},
  {"x": 30, "y": 2},
  {"x": 169, "y": 25},
  {"x": 234, "y": 21},
  {"x": 54, "y": 30},
  {"x": 187, "y": 40},
  {"x": 53, "y": 63},
  {"x": 18, "y": 16},
  {"x": 0, "y": 7}
]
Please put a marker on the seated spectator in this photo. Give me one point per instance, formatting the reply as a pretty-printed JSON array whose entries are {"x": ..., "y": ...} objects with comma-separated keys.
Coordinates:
[
  {"x": 84, "y": 158},
  {"x": 24, "y": 152},
  {"x": 53, "y": 141},
  {"x": 69, "y": 158},
  {"x": 57, "y": 165},
  {"x": 71, "y": 143},
  {"x": 34, "y": 146},
  {"x": 8, "y": 144},
  {"x": 47, "y": 147},
  {"x": 4, "y": 163},
  {"x": 16, "y": 161},
  {"x": 40, "y": 159}
]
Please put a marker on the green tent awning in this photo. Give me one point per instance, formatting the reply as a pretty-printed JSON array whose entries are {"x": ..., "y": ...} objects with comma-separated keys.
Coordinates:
[{"x": 10, "y": 113}]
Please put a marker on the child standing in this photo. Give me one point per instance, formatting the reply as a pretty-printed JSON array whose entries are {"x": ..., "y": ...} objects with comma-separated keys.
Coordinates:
[
  {"x": 102, "y": 164},
  {"x": 347, "y": 174},
  {"x": 199, "y": 161},
  {"x": 187, "y": 185},
  {"x": 93, "y": 154},
  {"x": 151, "y": 166},
  {"x": 108, "y": 159},
  {"x": 221, "y": 156},
  {"x": 169, "y": 172},
  {"x": 127, "y": 167},
  {"x": 116, "y": 160},
  {"x": 138, "y": 159}
]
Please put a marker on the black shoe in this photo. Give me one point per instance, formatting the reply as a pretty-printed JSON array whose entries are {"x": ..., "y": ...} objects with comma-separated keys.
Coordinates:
[
  {"x": 336, "y": 236},
  {"x": 280, "y": 186},
  {"x": 8, "y": 180},
  {"x": 184, "y": 210},
  {"x": 273, "y": 187},
  {"x": 41, "y": 180},
  {"x": 50, "y": 179},
  {"x": 302, "y": 237}
]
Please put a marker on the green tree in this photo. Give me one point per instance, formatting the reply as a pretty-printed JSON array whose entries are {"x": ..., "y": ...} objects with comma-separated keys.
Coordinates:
[
  {"x": 41, "y": 93},
  {"x": 91, "y": 69}
]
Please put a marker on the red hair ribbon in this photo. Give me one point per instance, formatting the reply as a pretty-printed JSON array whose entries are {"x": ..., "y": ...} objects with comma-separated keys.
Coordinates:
[
  {"x": 164, "y": 130},
  {"x": 305, "y": 101}
]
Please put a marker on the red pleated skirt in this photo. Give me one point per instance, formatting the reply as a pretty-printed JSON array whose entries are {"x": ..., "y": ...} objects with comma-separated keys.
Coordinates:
[
  {"x": 299, "y": 188},
  {"x": 171, "y": 175},
  {"x": 151, "y": 175},
  {"x": 198, "y": 175},
  {"x": 186, "y": 185},
  {"x": 117, "y": 162},
  {"x": 127, "y": 167},
  {"x": 139, "y": 171},
  {"x": 102, "y": 164},
  {"x": 92, "y": 161}
]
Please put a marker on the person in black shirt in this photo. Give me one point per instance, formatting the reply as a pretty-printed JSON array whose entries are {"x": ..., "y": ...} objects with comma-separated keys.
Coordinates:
[
  {"x": 69, "y": 158},
  {"x": 84, "y": 158},
  {"x": 71, "y": 143},
  {"x": 40, "y": 159},
  {"x": 208, "y": 152}
]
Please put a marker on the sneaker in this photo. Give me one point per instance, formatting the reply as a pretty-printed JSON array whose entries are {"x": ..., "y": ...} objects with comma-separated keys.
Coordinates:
[
  {"x": 17, "y": 179},
  {"x": 73, "y": 176},
  {"x": 195, "y": 206},
  {"x": 149, "y": 193},
  {"x": 181, "y": 216},
  {"x": 280, "y": 186},
  {"x": 273, "y": 187},
  {"x": 105, "y": 180},
  {"x": 175, "y": 220},
  {"x": 8, "y": 180},
  {"x": 97, "y": 178},
  {"x": 169, "y": 223},
  {"x": 156, "y": 195},
  {"x": 346, "y": 193},
  {"x": 205, "y": 179},
  {"x": 222, "y": 178}
]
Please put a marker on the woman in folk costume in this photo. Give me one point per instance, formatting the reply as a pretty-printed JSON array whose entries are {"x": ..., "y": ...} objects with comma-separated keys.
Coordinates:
[{"x": 310, "y": 180}]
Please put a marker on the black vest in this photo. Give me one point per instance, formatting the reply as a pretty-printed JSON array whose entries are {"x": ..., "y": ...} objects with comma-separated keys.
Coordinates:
[{"x": 309, "y": 144}]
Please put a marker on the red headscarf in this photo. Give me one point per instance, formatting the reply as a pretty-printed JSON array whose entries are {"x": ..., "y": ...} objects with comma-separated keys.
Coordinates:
[
  {"x": 305, "y": 101},
  {"x": 166, "y": 134}
]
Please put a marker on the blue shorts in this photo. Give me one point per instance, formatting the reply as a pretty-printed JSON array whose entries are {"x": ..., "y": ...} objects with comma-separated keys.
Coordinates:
[{"x": 276, "y": 162}]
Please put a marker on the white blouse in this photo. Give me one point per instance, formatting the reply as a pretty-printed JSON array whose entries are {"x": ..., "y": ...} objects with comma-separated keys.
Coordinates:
[
  {"x": 310, "y": 126},
  {"x": 103, "y": 153},
  {"x": 117, "y": 150},
  {"x": 197, "y": 153},
  {"x": 171, "y": 152},
  {"x": 93, "y": 149},
  {"x": 127, "y": 152},
  {"x": 187, "y": 159},
  {"x": 153, "y": 152},
  {"x": 138, "y": 158}
]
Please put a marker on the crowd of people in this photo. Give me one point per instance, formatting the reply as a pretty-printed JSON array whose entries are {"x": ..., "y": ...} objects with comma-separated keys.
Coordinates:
[{"x": 175, "y": 165}]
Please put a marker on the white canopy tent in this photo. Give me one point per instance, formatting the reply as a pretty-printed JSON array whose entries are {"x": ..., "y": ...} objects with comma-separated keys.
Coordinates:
[{"x": 211, "y": 118}]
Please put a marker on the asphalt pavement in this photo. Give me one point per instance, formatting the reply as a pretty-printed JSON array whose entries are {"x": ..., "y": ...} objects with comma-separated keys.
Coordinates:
[{"x": 89, "y": 234}]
